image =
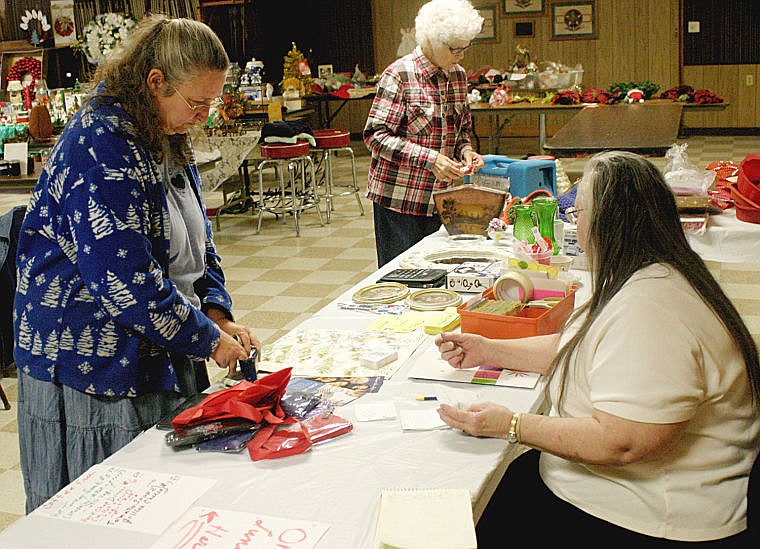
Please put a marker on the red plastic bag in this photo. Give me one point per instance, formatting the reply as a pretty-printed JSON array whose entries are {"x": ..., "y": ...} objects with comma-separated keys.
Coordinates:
[{"x": 258, "y": 401}]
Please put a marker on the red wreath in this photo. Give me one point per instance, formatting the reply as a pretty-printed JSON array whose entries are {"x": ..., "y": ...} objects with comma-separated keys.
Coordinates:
[{"x": 24, "y": 65}]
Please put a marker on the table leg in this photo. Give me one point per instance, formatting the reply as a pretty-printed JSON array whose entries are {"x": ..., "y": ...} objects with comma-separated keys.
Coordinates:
[
  {"x": 541, "y": 132},
  {"x": 491, "y": 131}
]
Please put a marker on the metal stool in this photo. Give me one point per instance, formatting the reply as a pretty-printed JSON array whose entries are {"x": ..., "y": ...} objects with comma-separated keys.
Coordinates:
[
  {"x": 293, "y": 158},
  {"x": 330, "y": 141}
]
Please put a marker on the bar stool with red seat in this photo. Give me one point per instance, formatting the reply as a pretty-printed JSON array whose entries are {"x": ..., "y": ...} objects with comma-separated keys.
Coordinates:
[
  {"x": 293, "y": 198},
  {"x": 330, "y": 141}
]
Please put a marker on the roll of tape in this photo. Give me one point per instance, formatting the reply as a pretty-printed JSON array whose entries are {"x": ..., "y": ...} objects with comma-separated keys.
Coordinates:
[{"x": 508, "y": 286}]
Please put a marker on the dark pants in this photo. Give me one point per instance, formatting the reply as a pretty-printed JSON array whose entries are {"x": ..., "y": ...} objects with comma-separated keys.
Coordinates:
[
  {"x": 524, "y": 511},
  {"x": 397, "y": 232}
]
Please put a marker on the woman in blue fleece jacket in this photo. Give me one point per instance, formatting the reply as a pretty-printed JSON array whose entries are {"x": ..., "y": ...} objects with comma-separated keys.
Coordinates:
[{"x": 120, "y": 295}]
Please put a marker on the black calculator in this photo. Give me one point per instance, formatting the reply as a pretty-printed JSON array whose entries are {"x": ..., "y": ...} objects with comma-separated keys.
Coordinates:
[{"x": 417, "y": 278}]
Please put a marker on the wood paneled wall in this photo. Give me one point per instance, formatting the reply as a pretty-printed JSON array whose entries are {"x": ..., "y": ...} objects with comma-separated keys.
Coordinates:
[{"x": 637, "y": 40}]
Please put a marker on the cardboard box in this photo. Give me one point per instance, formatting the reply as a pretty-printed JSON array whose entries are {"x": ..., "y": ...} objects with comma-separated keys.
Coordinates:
[
  {"x": 473, "y": 276},
  {"x": 526, "y": 323}
]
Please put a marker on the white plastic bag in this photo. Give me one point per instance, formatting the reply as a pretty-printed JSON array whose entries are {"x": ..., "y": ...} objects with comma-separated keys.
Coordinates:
[{"x": 682, "y": 176}]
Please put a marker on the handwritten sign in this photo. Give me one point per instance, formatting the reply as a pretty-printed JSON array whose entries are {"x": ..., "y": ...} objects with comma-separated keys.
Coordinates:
[
  {"x": 222, "y": 529},
  {"x": 129, "y": 499}
]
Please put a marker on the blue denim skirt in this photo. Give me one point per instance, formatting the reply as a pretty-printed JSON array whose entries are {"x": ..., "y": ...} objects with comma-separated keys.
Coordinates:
[{"x": 63, "y": 432}]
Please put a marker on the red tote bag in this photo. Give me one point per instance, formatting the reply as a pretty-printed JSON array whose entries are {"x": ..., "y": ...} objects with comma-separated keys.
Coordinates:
[{"x": 257, "y": 401}]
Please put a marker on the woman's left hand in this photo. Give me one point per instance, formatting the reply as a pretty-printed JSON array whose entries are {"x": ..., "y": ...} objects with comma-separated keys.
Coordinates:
[
  {"x": 471, "y": 158},
  {"x": 483, "y": 419},
  {"x": 244, "y": 336}
]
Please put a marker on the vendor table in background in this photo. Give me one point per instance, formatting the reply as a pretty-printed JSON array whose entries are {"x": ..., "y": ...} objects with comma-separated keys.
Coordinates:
[
  {"x": 648, "y": 128},
  {"x": 495, "y": 123},
  {"x": 21, "y": 181},
  {"x": 322, "y": 101},
  {"x": 233, "y": 152}
]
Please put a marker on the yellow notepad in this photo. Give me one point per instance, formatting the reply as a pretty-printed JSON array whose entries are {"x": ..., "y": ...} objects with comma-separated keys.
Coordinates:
[{"x": 425, "y": 518}]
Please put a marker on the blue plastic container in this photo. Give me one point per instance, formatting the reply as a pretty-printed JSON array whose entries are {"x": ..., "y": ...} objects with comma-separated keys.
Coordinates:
[{"x": 525, "y": 176}]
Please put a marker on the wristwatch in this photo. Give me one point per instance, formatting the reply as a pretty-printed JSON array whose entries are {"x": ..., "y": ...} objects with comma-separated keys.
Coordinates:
[{"x": 514, "y": 424}]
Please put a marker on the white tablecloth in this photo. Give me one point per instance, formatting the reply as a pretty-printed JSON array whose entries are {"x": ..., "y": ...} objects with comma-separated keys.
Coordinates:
[
  {"x": 230, "y": 151},
  {"x": 728, "y": 239},
  {"x": 338, "y": 482}
]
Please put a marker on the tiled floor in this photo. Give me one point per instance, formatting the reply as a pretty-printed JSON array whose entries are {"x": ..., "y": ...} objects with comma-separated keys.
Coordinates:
[{"x": 277, "y": 279}]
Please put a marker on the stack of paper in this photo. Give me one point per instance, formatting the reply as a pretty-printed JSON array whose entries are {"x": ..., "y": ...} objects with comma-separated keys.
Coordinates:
[{"x": 422, "y": 518}]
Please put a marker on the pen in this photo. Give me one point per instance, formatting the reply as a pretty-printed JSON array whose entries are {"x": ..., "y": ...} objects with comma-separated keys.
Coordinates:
[{"x": 427, "y": 398}]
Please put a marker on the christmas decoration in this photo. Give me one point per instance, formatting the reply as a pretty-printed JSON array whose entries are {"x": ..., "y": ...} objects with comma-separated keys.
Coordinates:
[
  {"x": 35, "y": 22},
  {"x": 295, "y": 66},
  {"x": 103, "y": 34}
]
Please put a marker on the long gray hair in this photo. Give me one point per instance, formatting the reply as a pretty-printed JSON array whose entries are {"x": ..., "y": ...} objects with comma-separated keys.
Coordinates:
[
  {"x": 181, "y": 49},
  {"x": 634, "y": 222}
]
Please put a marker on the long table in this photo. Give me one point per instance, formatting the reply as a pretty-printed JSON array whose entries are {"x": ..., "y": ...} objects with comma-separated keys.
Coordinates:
[
  {"x": 338, "y": 482},
  {"x": 496, "y": 124},
  {"x": 322, "y": 101},
  {"x": 645, "y": 128}
]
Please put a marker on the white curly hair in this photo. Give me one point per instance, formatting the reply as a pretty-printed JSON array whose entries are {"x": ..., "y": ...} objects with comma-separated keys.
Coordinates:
[{"x": 441, "y": 22}]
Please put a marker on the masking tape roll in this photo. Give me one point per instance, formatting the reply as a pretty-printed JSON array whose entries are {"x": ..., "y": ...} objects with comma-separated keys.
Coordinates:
[{"x": 508, "y": 286}]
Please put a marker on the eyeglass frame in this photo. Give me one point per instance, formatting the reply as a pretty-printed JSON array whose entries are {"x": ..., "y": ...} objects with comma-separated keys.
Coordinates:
[
  {"x": 198, "y": 108},
  {"x": 572, "y": 214},
  {"x": 457, "y": 51}
]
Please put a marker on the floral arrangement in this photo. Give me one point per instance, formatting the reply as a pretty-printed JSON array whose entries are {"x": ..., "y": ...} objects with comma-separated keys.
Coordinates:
[
  {"x": 687, "y": 94},
  {"x": 497, "y": 224},
  {"x": 103, "y": 34}
]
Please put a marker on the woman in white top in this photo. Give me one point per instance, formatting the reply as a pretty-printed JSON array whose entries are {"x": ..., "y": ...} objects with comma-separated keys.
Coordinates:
[{"x": 654, "y": 386}]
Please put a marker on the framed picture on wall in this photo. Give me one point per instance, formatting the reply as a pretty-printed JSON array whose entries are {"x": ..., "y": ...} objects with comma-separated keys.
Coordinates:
[
  {"x": 523, "y": 7},
  {"x": 490, "y": 30},
  {"x": 573, "y": 20},
  {"x": 524, "y": 28}
]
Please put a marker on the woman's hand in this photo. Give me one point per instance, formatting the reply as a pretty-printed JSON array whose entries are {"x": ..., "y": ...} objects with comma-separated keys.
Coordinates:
[
  {"x": 471, "y": 158},
  {"x": 463, "y": 350},
  {"x": 483, "y": 419},
  {"x": 230, "y": 350},
  {"x": 446, "y": 169}
]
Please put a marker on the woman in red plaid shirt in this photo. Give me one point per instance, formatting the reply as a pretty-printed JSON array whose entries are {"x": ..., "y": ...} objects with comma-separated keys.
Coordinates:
[{"x": 418, "y": 127}]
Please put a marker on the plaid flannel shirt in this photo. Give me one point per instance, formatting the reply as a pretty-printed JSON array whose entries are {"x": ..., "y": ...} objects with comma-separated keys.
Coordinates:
[{"x": 418, "y": 112}]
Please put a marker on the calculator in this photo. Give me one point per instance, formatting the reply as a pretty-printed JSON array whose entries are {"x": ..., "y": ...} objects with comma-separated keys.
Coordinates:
[{"x": 417, "y": 278}]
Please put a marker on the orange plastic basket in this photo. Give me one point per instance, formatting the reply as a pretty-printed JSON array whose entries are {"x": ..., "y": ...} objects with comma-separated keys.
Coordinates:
[{"x": 526, "y": 323}]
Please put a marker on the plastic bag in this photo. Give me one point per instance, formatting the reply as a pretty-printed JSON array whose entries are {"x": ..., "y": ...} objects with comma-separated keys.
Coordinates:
[{"x": 682, "y": 176}]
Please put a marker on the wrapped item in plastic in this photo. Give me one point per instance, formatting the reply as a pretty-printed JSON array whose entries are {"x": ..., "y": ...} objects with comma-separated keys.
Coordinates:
[
  {"x": 181, "y": 437},
  {"x": 684, "y": 179},
  {"x": 229, "y": 444},
  {"x": 325, "y": 427},
  {"x": 299, "y": 404}
]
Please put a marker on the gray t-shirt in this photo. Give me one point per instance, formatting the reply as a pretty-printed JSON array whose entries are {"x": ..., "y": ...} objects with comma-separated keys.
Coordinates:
[{"x": 188, "y": 234}]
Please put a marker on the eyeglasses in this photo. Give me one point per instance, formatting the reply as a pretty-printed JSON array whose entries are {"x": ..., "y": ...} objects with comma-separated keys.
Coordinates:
[
  {"x": 457, "y": 51},
  {"x": 572, "y": 214},
  {"x": 202, "y": 106}
]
